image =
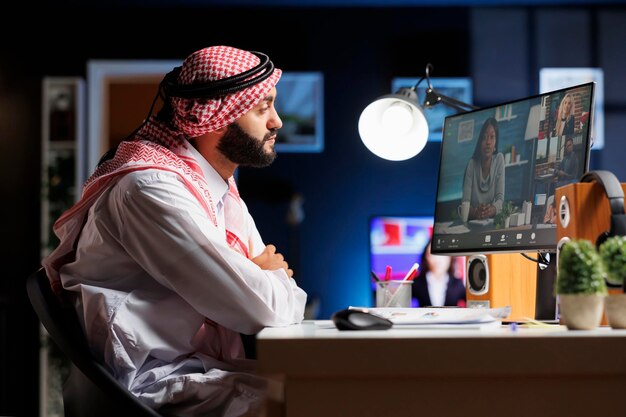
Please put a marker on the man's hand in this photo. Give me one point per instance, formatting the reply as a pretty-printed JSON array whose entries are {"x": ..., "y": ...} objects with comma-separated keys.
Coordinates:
[{"x": 270, "y": 260}]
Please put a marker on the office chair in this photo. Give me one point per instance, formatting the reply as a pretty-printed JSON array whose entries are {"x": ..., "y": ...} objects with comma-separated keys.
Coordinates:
[{"x": 90, "y": 390}]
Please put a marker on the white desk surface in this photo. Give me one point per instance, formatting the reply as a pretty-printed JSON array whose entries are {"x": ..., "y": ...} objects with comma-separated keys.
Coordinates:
[{"x": 325, "y": 329}]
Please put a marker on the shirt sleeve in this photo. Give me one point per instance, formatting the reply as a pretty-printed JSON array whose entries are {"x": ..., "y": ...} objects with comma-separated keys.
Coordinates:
[
  {"x": 166, "y": 231},
  {"x": 255, "y": 237}
]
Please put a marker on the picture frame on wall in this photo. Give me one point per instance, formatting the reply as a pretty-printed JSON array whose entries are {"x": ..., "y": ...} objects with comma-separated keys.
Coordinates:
[
  {"x": 300, "y": 105},
  {"x": 120, "y": 94},
  {"x": 459, "y": 88},
  {"x": 551, "y": 79}
]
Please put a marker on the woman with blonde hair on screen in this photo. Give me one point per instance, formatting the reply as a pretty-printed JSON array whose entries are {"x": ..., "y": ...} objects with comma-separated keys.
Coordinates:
[{"x": 565, "y": 117}]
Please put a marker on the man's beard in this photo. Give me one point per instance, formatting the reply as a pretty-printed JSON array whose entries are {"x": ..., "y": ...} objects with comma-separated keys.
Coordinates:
[{"x": 245, "y": 150}]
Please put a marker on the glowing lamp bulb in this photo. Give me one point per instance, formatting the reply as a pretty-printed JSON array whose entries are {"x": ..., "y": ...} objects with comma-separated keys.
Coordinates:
[{"x": 397, "y": 118}]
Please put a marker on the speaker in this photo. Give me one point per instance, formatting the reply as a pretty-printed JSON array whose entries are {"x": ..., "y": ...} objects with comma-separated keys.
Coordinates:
[
  {"x": 500, "y": 280},
  {"x": 477, "y": 275},
  {"x": 591, "y": 209}
]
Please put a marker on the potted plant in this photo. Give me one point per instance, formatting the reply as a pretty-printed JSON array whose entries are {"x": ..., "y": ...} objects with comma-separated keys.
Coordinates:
[
  {"x": 502, "y": 219},
  {"x": 613, "y": 255},
  {"x": 580, "y": 285}
]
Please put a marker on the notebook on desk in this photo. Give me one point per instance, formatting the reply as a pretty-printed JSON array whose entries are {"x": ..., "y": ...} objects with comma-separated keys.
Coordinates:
[{"x": 443, "y": 317}]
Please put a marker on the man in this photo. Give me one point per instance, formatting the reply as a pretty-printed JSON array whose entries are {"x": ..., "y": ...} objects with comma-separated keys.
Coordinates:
[
  {"x": 161, "y": 256},
  {"x": 567, "y": 170}
]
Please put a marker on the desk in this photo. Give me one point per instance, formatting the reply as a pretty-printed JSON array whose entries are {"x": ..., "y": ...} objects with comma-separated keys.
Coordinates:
[{"x": 400, "y": 372}]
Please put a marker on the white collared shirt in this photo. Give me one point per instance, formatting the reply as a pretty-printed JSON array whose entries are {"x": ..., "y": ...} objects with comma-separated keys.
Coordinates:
[
  {"x": 437, "y": 288},
  {"x": 150, "y": 268}
]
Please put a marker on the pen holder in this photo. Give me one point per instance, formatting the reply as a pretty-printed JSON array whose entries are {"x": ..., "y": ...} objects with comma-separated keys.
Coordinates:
[{"x": 395, "y": 293}]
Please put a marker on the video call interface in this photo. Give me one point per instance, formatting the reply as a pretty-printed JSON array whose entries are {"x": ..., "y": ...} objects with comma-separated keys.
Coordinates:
[{"x": 500, "y": 167}]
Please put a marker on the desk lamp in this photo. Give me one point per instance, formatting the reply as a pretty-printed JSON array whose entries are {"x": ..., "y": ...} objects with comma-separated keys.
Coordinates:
[{"x": 394, "y": 126}]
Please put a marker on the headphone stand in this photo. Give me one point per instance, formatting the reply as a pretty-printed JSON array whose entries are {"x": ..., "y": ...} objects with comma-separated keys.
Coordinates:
[{"x": 545, "y": 301}]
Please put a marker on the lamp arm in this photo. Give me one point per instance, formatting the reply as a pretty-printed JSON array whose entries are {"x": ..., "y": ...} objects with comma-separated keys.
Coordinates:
[{"x": 434, "y": 97}]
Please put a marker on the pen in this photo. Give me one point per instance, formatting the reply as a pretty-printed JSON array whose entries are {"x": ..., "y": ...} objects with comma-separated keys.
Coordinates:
[
  {"x": 408, "y": 277},
  {"x": 380, "y": 286},
  {"x": 412, "y": 272},
  {"x": 388, "y": 273}
]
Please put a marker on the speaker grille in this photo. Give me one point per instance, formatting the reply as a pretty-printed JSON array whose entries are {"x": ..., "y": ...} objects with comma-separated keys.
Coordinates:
[{"x": 477, "y": 276}]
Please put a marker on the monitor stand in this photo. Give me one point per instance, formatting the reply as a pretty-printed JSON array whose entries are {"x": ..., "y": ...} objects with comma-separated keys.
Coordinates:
[{"x": 545, "y": 304}]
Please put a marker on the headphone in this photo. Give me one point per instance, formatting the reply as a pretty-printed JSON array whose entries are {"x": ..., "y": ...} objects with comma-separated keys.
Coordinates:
[
  {"x": 170, "y": 87},
  {"x": 615, "y": 194}
]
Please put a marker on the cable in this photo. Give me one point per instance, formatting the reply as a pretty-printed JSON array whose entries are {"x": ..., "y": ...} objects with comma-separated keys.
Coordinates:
[
  {"x": 429, "y": 67},
  {"x": 541, "y": 259}
]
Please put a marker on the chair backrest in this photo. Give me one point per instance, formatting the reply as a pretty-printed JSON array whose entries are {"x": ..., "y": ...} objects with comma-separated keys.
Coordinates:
[{"x": 90, "y": 389}]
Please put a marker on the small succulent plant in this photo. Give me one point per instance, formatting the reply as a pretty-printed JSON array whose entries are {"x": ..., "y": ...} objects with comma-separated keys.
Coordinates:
[
  {"x": 613, "y": 254},
  {"x": 580, "y": 269}
]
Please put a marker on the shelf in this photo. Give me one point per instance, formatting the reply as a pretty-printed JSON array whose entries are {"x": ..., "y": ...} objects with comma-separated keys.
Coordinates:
[
  {"x": 62, "y": 144},
  {"x": 514, "y": 164}
]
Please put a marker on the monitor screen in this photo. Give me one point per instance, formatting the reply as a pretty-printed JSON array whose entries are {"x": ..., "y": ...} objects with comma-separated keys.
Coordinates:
[
  {"x": 499, "y": 169},
  {"x": 399, "y": 242},
  {"x": 557, "y": 78}
]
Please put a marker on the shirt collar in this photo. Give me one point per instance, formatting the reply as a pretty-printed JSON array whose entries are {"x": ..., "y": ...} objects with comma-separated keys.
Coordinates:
[
  {"x": 432, "y": 279},
  {"x": 217, "y": 186}
]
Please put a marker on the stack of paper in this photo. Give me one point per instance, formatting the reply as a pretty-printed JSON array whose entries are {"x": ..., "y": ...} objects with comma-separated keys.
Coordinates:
[{"x": 441, "y": 317}]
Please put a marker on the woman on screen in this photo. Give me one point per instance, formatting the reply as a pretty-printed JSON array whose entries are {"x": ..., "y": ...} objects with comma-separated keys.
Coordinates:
[
  {"x": 437, "y": 284},
  {"x": 483, "y": 184},
  {"x": 564, "y": 125}
]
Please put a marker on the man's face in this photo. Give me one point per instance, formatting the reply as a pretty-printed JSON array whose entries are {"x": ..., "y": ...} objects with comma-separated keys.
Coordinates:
[
  {"x": 569, "y": 147},
  {"x": 250, "y": 140}
]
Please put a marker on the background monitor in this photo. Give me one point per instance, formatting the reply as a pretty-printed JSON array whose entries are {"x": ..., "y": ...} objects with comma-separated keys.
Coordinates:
[
  {"x": 399, "y": 241},
  {"x": 542, "y": 143},
  {"x": 459, "y": 88}
]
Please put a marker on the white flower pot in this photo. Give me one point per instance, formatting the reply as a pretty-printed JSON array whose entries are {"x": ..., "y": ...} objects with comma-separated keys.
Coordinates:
[
  {"x": 581, "y": 311},
  {"x": 615, "y": 305}
]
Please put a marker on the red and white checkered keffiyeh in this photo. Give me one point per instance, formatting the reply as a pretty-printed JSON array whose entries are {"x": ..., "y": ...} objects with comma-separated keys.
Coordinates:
[{"x": 195, "y": 117}]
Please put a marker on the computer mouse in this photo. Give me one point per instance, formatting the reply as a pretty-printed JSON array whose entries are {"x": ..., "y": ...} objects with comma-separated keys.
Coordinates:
[{"x": 359, "y": 319}]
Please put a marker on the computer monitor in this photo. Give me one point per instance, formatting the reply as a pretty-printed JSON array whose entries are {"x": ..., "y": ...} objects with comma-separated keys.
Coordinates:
[
  {"x": 399, "y": 241},
  {"x": 499, "y": 169}
]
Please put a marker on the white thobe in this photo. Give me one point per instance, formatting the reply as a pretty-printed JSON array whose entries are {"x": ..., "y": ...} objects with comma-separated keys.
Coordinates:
[{"x": 150, "y": 268}]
